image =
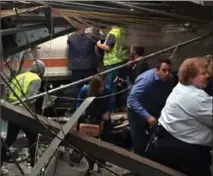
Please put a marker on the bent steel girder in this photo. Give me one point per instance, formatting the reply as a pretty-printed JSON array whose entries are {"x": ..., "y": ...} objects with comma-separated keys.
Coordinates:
[
  {"x": 60, "y": 137},
  {"x": 139, "y": 10},
  {"x": 90, "y": 145}
]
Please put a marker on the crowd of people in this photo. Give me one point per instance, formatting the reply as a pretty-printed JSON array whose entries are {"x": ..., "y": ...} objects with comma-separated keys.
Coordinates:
[
  {"x": 170, "y": 122},
  {"x": 170, "y": 116},
  {"x": 183, "y": 137}
]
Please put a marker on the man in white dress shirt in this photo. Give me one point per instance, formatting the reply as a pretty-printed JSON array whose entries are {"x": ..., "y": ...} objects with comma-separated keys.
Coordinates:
[{"x": 183, "y": 139}]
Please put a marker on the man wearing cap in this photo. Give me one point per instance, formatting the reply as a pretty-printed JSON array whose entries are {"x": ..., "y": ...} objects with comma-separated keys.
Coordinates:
[{"x": 24, "y": 85}]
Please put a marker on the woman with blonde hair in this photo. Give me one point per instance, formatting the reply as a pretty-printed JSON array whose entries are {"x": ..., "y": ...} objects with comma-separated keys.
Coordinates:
[{"x": 183, "y": 138}]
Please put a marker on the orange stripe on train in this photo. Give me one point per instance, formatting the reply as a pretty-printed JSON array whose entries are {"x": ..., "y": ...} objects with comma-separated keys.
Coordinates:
[
  {"x": 52, "y": 62},
  {"x": 49, "y": 62}
]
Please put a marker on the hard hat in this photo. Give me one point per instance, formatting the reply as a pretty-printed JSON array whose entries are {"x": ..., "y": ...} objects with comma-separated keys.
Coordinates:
[{"x": 38, "y": 67}]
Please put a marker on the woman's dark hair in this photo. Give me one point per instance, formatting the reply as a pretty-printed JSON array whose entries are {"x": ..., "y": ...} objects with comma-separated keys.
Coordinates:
[
  {"x": 139, "y": 50},
  {"x": 95, "y": 84}
]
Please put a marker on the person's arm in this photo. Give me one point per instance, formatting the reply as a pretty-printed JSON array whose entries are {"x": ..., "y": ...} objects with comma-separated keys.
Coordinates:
[
  {"x": 135, "y": 95},
  {"x": 96, "y": 37},
  {"x": 204, "y": 110},
  {"x": 82, "y": 95},
  {"x": 133, "y": 101},
  {"x": 33, "y": 89},
  {"x": 69, "y": 39},
  {"x": 108, "y": 45}
]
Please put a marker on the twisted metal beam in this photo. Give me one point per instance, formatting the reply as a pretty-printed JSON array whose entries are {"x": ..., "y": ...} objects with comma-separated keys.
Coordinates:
[
  {"x": 158, "y": 12},
  {"x": 92, "y": 146}
]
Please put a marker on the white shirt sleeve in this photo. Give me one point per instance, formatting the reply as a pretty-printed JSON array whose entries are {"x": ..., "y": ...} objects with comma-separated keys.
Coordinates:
[{"x": 204, "y": 109}]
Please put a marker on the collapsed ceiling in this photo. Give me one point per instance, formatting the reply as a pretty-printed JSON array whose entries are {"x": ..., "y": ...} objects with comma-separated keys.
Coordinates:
[{"x": 155, "y": 25}]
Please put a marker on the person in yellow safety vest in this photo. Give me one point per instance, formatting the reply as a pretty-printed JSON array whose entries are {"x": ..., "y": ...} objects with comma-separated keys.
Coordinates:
[
  {"x": 116, "y": 52},
  {"x": 24, "y": 85}
]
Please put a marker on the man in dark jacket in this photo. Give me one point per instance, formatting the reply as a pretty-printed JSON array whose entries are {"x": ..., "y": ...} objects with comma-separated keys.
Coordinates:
[{"x": 83, "y": 61}]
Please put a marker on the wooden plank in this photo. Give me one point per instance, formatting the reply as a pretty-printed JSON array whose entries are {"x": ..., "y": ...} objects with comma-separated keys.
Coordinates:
[
  {"x": 92, "y": 146},
  {"x": 62, "y": 134}
]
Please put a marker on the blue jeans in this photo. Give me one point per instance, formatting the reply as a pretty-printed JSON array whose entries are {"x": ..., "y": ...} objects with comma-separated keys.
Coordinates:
[{"x": 109, "y": 78}]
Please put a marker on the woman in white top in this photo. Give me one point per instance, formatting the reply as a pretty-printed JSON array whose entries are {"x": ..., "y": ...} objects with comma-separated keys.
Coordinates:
[{"x": 183, "y": 138}]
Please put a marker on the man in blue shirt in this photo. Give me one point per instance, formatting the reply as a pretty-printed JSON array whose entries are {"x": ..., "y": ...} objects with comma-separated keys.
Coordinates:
[{"x": 145, "y": 102}]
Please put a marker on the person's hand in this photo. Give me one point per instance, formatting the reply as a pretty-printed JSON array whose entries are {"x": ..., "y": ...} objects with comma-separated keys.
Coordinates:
[
  {"x": 98, "y": 43},
  {"x": 131, "y": 63},
  {"x": 106, "y": 116},
  {"x": 152, "y": 121}
]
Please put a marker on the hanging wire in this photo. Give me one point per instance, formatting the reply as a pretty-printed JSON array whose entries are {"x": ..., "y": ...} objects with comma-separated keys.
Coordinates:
[
  {"x": 14, "y": 93},
  {"x": 121, "y": 66},
  {"x": 175, "y": 50},
  {"x": 28, "y": 109},
  {"x": 62, "y": 139},
  {"x": 23, "y": 103},
  {"x": 85, "y": 154},
  {"x": 21, "y": 90},
  {"x": 100, "y": 97},
  {"x": 56, "y": 135}
]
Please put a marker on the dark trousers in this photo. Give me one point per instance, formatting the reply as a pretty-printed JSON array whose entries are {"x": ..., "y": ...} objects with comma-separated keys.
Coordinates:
[
  {"x": 12, "y": 133},
  {"x": 138, "y": 129},
  {"x": 193, "y": 160},
  {"x": 104, "y": 136},
  {"x": 78, "y": 75}
]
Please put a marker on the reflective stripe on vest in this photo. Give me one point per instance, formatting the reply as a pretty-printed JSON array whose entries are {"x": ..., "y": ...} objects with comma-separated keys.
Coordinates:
[
  {"x": 119, "y": 51},
  {"x": 20, "y": 84}
]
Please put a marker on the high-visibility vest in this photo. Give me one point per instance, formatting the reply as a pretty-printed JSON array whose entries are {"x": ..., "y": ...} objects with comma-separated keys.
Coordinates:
[
  {"x": 119, "y": 51},
  {"x": 20, "y": 85}
]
